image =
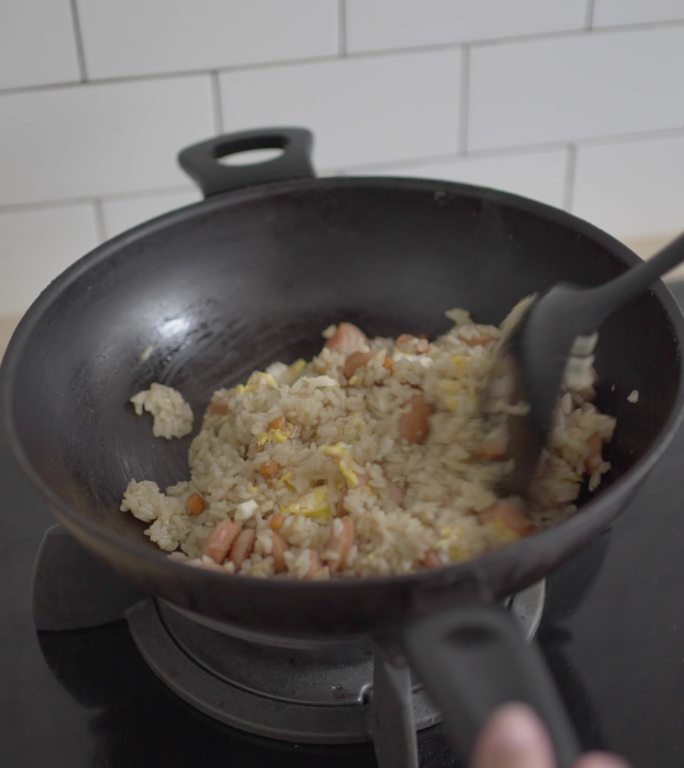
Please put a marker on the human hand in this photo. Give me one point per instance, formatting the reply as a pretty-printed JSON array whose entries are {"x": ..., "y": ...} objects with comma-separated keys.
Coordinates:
[{"x": 514, "y": 737}]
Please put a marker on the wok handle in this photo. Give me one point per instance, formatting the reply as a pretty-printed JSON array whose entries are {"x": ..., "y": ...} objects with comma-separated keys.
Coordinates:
[
  {"x": 472, "y": 659},
  {"x": 201, "y": 161}
]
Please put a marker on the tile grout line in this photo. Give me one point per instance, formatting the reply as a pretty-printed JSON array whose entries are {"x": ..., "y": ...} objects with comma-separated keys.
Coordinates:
[
  {"x": 570, "y": 169},
  {"x": 589, "y": 15},
  {"x": 152, "y": 76},
  {"x": 399, "y": 163},
  {"x": 84, "y": 200},
  {"x": 623, "y": 138},
  {"x": 342, "y": 27},
  {"x": 464, "y": 100},
  {"x": 531, "y": 37},
  {"x": 217, "y": 103},
  {"x": 417, "y": 50},
  {"x": 407, "y": 163},
  {"x": 523, "y": 149},
  {"x": 78, "y": 37},
  {"x": 98, "y": 211}
]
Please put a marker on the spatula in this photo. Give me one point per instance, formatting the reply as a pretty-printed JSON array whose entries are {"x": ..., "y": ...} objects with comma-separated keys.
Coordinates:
[{"x": 557, "y": 329}]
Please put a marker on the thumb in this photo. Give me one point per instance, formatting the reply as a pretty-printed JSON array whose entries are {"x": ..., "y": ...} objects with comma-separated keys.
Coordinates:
[{"x": 514, "y": 737}]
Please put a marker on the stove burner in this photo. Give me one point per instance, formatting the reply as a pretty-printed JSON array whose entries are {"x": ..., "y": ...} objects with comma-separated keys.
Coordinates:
[{"x": 280, "y": 694}]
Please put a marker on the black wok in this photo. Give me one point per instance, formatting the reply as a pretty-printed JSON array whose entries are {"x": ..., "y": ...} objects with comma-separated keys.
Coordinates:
[{"x": 252, "y": 274}]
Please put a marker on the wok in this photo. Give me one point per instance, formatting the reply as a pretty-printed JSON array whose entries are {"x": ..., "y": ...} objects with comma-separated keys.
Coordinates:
[{"x": 201, "y": 296}]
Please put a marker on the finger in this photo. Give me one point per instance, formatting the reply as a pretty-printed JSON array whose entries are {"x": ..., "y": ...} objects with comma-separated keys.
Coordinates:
[
  {"x": 514, "y": 737},
  {"x": 601, "y": 760}
]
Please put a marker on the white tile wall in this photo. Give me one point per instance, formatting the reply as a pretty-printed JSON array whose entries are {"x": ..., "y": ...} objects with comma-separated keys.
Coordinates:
[
  {"x": 382, "y": 24},
  {"x": 609, "y": 12},
  {"x": 120, "y": 214},
  {"x": 130, "y": 37},
  {"x": 37, "y": 44},
  {"x": 98, "y": 139},
  {"x": 540, "y": 175},
  {"x": 578, "y": 87},
  {"x": 632, "y": 187},
  {"x": 361, "y": 110},
  {"x": 36, "y": 245},
  {"x": 483, "y": 91}
]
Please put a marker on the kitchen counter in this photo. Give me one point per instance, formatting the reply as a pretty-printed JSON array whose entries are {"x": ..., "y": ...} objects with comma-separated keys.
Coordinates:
[{"x": 7, "y": 326}]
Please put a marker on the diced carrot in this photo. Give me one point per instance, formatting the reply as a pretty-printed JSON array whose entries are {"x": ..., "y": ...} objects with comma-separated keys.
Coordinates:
[
  {"x": 388, "y": 363},
  {"x": 196, "y": 504},
  {"x": 218, "y": 408},
  {"x": 431, "y": 559},
  {"x": 269, "y": 470},
  {"x": 276, "y": 521},
  {"x": 278, "y": 423}
]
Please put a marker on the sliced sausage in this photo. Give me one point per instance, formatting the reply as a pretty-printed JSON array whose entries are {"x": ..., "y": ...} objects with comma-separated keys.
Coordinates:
[{"x": 220, "y": 540}]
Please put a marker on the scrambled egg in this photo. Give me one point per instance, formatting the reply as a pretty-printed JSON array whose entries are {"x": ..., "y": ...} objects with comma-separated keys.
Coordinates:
[
  {"x": 458, "y": 394},
  {"x": 341, "y": 452},
  {"x": 296, "y": 368},
  {"x": 258, "y": 380},
  {"x": 272, "y": 436},
  {"x": 459, "y": 552},
  {"x": 288, "y": 481},
  {"x": 313, "y": 504}
]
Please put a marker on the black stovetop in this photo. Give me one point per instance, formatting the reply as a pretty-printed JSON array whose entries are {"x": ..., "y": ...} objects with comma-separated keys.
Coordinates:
[{"x": 612, "y": 633}]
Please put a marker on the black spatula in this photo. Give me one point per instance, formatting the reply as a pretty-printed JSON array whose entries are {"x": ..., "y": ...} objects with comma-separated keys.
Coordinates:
[{"x": 557, "y": 327}]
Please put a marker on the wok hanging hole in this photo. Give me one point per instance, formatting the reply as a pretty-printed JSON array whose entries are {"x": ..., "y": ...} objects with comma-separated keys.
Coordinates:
[{"x": 252, "y": 156}]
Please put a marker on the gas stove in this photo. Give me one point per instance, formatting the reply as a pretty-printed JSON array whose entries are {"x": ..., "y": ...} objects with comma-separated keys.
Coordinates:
[
  {"x": 156, "y": 688},
  {"x": 304, "y": 691}
]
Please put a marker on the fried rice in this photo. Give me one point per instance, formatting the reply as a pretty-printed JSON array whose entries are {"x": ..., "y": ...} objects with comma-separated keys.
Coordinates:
[{"x": 376, "y": 457}]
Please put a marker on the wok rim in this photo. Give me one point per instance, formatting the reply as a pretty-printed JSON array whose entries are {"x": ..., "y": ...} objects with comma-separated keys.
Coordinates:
[{"x": 86, "y": 529}]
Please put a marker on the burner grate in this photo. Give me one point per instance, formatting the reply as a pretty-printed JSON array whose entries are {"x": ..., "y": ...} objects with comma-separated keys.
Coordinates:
[
  {"x": 273, "y": 693},
  {"x": 300, "y": 691}
]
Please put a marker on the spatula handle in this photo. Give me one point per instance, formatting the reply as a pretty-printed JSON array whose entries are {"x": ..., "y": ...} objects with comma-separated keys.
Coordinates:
[
  {"x": 607, "y": 298},
  {"x": 473, "y": 658}
]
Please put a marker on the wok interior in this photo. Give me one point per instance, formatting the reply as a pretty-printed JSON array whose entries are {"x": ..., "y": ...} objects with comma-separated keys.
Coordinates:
[{"x": 229, "y": 286}]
